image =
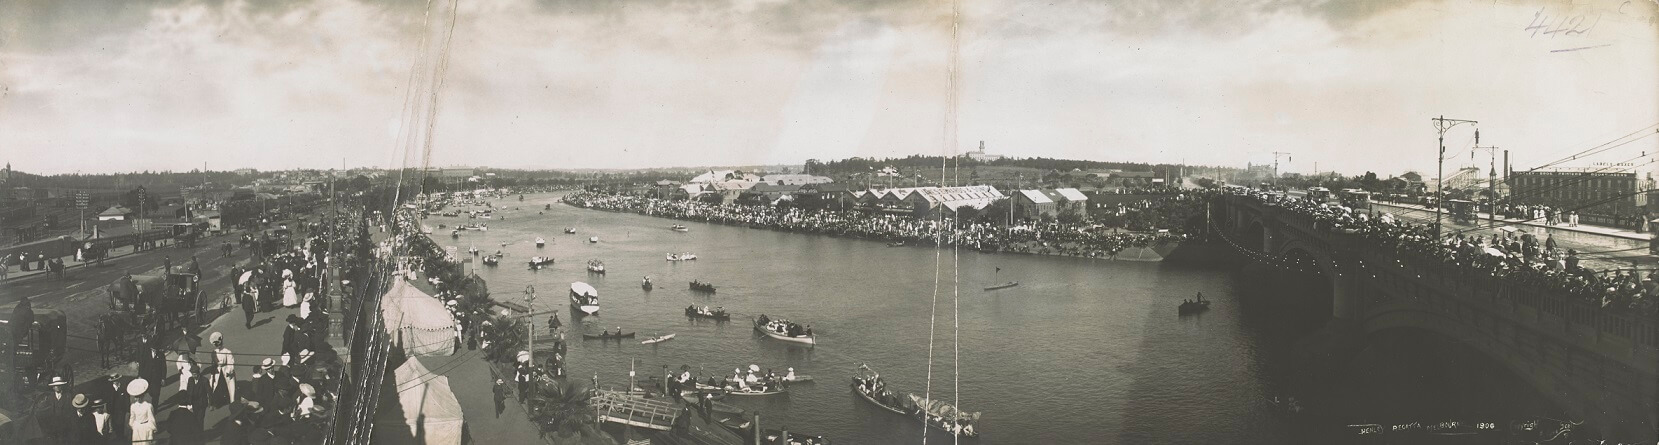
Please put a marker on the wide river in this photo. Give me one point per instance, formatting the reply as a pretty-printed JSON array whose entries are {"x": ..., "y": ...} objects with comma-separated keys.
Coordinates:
[{"x": 1083, "y": 351}]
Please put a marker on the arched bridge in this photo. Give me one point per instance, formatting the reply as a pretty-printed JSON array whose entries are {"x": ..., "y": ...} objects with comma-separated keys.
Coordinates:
[{"x": 1599, "y": 365}]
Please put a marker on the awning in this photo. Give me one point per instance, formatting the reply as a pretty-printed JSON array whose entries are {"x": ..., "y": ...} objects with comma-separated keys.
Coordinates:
[
  {"x": 430, "y": 411},
  {"x": 419, "y": 323}
]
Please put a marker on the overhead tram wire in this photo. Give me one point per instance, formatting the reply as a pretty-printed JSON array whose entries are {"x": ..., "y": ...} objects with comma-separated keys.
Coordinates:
[
  {"x": 1594, "y": 150},
  {"x": 1586, "y": 177}
]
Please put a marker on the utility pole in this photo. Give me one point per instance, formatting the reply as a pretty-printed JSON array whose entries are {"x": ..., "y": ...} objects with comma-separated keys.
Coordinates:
[
  {"x": 530, "y": 321},
  {"x": 1276, "y": 155},
  {"x": 1441, "y": 125},
  {"x": 1491, "y": 180}
]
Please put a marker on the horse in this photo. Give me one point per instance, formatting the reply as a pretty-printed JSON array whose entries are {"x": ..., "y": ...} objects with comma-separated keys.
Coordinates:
[{"x": 114, "y": 330}]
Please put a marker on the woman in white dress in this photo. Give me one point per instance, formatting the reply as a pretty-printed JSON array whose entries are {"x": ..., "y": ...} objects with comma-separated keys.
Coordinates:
[
  {"x": 290, "y": 297},
  {"x": 142, "y": 417}
]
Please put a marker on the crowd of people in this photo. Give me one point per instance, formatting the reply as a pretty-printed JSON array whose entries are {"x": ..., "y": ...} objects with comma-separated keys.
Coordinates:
[
  {"x": 1510, "y": 256},
  {"x": 273, "y": 397},
  {"x": 1086, "y": 240}
]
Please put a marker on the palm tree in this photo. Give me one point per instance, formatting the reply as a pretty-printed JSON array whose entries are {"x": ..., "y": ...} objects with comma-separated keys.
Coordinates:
[{"x": 560, "y": 408}]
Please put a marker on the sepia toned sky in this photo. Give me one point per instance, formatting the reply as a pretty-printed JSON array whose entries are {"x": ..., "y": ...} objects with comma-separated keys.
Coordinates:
[{"x": 99, "y": 86}]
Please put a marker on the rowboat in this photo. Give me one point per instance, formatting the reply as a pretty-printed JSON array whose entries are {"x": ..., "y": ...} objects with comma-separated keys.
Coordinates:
[
  {"x": 756, "y": 392},
  {"x": 584, "y": 298},
  {"x": 491, "y": 260},
  {"x": 798, "y": 378},
  {"x": 896, "y": 244},
  {"x": 659, "y": 339},
  {"x": 593, "y": 239},
  {"x": 1003, "y": 285},
  {"x": 935, "y": 414},
  {"x": 540, "y": 242},
  {"x": 702, "y": 287},
  {"x": 596, "y": 266},
  {"x": 537, "y": 263},
  {"x": 706, "y": 312},
  {"x": 681, "y": 256},
  {"x": 679, "y": 228},
  {"x": 784, "y": 330},
  {"x": 570, "y": 230},
  {"x": 645, "y": 284},
  {"x": 745, "y": 429},
  {"x": 607, "y": 336},
  {"x": 1194, "y": 306}
]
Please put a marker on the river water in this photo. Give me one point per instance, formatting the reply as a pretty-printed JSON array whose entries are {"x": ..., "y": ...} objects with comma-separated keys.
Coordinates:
[{"x": 1083, "y": 351}]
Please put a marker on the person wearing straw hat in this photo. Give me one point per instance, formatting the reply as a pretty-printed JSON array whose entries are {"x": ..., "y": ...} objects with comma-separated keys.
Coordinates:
[
  {"x": 141, "y": 418},
  {"x": 113, "y": 392},
  {"x": 263, "y": 382},
  {"x": 78, "y": 427},
  {"x": 308, "y": 401},
  {"x": 294, "y": 339},
  {"x": 53, "y": 409}
]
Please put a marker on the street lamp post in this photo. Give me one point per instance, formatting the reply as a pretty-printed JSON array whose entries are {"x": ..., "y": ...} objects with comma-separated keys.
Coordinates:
[{"x": 1441, "y": 125}]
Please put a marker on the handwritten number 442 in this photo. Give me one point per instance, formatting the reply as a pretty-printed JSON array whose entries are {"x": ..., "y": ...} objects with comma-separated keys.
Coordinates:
[{"x": 1563, "y": 25}]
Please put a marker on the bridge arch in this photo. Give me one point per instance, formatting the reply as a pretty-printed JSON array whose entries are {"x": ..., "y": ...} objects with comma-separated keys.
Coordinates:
[
  {"x": 1545, "y": 383},
  {"x": 1297, "y": 251}
]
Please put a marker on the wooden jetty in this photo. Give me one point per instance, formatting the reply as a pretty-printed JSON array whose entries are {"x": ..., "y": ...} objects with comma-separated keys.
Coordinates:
[{"x": 636, "y": 411}]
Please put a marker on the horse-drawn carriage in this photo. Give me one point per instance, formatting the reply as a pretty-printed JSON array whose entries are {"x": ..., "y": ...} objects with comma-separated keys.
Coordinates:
[
  {"x": 145, "y": 306},
  {"x": 31, "y": 353}
]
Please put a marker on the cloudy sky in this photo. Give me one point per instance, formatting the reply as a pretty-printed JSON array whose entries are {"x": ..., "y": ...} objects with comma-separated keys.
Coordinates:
[{"x": 95, "y": 85}]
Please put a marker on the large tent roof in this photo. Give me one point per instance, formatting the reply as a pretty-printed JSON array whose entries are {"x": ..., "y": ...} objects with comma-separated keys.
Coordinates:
[
  {"x": 428, "y": 405},
  {"x": 419, "y": 321},
  {"x": 580, "y": 288}
]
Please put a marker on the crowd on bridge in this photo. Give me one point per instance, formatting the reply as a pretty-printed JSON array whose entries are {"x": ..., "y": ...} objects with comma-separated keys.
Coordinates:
[
  {"x": 1085, "y": 240},
  {"x": 1519, "y": 258},
  {"x": 278, "y": 396}
]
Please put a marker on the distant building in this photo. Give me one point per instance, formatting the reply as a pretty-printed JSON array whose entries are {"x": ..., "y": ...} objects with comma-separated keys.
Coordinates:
[
  {"x": 1035, "y": 203},
  {"x": 981, "y": 156},
  {"x": 787, "y": 179},
  {"x": 245, "y": 171},
  {"x": 1603, "y": 193},
  {"x": 116, "y": 213}
]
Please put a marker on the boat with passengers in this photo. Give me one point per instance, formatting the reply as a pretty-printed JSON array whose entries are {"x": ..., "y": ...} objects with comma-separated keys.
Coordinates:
[
  {"x": 698, "y": 311},
  {"x": 584, "y": 298},
  {"x": 539, "y": 263},
  {"x": 596, "y": 266},
  {"x": 937, "y": 415},
  {"x": 785, "y": 330},
  {"x": 700, "y": 286}
]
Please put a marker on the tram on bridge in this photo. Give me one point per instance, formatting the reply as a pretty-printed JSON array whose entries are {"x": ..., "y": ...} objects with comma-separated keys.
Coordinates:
[{"x": 1356, "y": 199}]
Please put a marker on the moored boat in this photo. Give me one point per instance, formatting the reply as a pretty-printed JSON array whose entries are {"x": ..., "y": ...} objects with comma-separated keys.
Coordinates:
[
  {"x": 584, "y": 298},
  {"x": 700, "y": 286},
  {"x": 769, "y": 435},
  {"x": 784, "y": 330},
  {"x": 1002, "y": 286}
]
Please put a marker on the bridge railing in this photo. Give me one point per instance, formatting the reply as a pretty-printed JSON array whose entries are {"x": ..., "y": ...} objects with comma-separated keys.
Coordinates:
[{"x": 1642, "y": 331}]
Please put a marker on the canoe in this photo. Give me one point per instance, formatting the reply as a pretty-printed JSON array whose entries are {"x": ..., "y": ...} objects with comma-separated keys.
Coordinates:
[
  {"x": 607, "y": 337},
  {"x": 1003, "y": 285},
  {"x": 654, "y": 340}
]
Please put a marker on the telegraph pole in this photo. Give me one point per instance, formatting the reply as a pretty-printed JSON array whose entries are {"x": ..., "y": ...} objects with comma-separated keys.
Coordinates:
[
  {"x": 530, "y": 321},
  {"x": 1276, "y": 155},
  {"x": 1491, "y": 180},
  {"x": 1441, "y": 124}
]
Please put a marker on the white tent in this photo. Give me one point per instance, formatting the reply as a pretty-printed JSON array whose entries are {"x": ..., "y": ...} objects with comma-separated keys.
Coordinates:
[
  {"x": 430, "y": 411},
  {"x": 418, "y": 322}
]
